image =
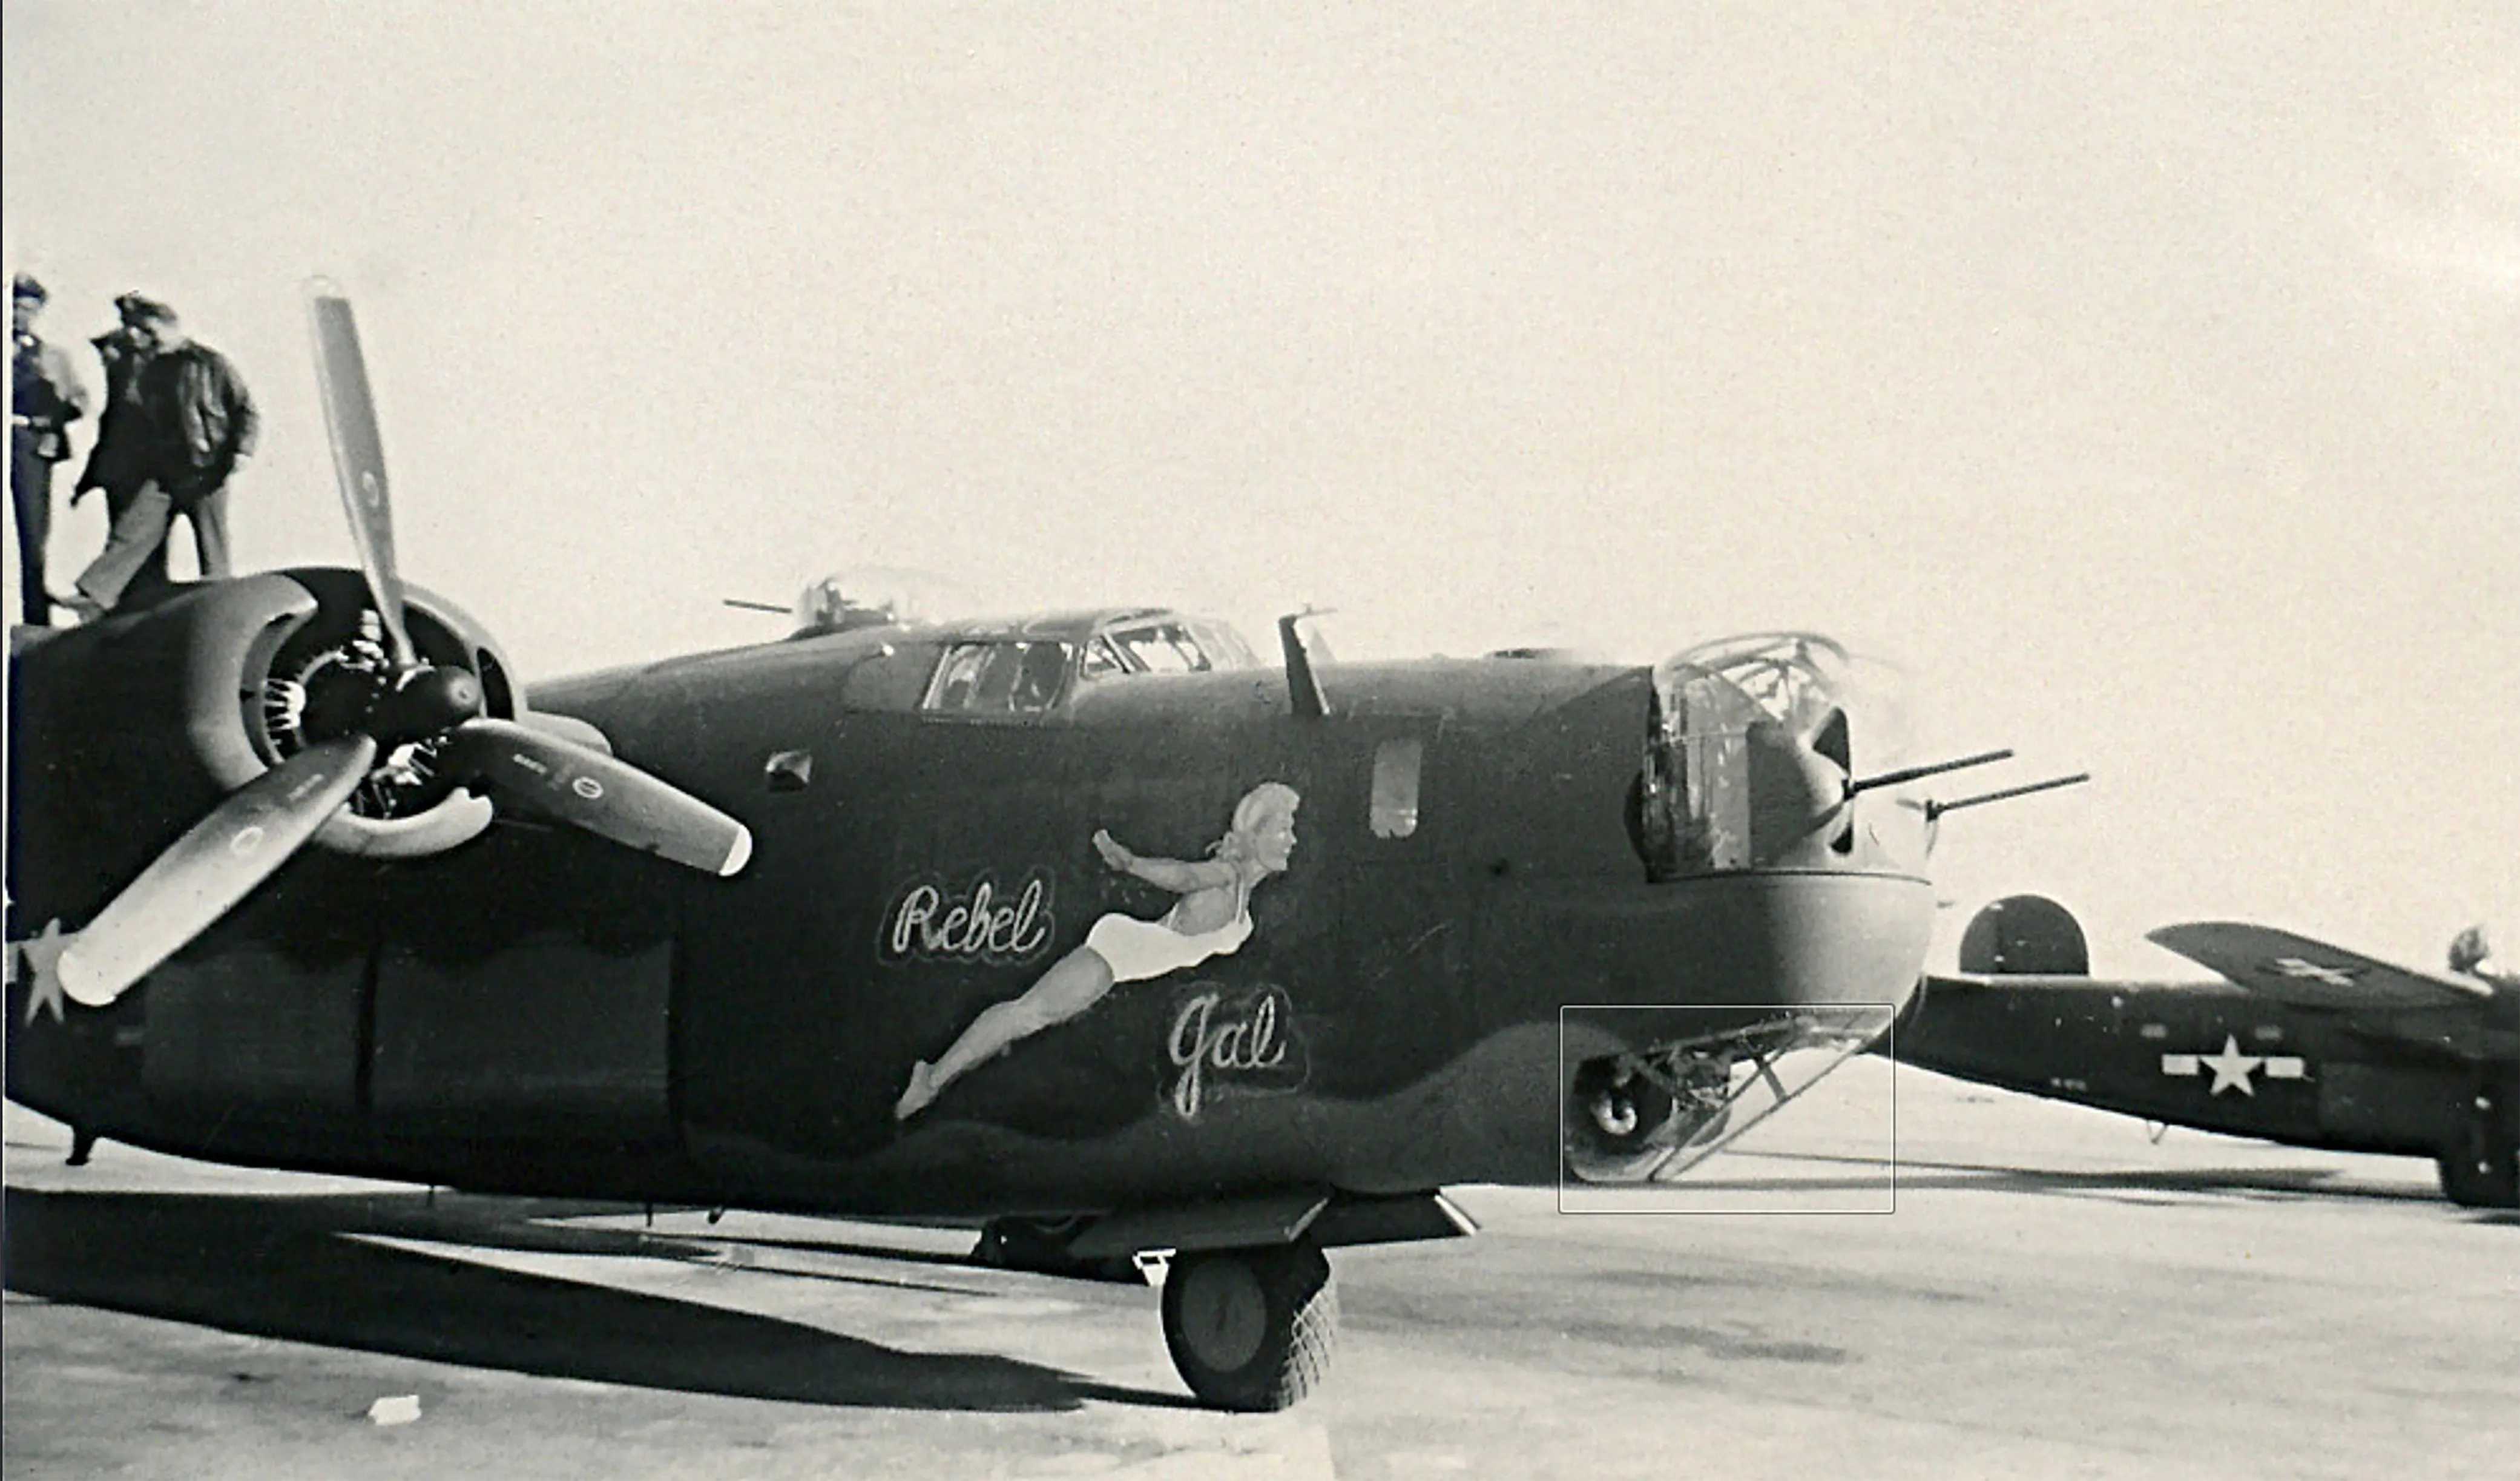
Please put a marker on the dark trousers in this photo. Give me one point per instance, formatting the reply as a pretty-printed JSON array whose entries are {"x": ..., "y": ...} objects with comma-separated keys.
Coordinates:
[
  {"x": 148, "y": 571},
  {"x": 30, "y": 500},
  {"x": 135, "y": 549}
]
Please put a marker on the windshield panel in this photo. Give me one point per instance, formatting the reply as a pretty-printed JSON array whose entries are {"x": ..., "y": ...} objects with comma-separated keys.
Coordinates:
[{"x": 1161, "y": 647}]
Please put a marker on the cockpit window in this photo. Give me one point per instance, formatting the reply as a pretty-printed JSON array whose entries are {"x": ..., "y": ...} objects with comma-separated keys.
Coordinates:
[
  {"x": 1101, "y": 660},
  {"x": 1040, "y": 676},
  {"x": 956, "y": 677},
  {"x": 1223, "y": 647},
  {"x": 1017, "y": 677},
  {"x": 1161, "y": 647},
  {"x": 1170, "y": 646},
  {"x": 1022, "y": 676}
]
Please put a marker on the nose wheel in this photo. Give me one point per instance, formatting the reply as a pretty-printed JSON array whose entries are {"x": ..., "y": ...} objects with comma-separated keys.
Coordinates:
[{"x": 1251, "y": 1329}]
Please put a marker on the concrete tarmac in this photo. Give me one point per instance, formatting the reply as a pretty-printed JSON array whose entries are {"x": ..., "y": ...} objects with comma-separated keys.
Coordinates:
[{"x": 2053, "y": 1294}]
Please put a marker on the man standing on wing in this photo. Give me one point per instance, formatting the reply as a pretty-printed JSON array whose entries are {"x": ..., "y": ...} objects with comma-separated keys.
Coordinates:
[
  {"x": 45, "y": 397},
  {"x": 201, "y": 423}
]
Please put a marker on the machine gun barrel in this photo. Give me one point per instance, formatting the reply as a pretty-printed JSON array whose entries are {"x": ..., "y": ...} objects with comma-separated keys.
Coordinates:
[
  {"x": 1935, "y": 810},
  {"x": 1917, "y": 773}
]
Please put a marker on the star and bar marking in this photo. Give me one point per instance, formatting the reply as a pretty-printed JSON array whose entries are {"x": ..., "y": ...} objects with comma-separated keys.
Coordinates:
[
  {"x": 2295, "y": 966},
  {"x": 2232, "y": 1069}
]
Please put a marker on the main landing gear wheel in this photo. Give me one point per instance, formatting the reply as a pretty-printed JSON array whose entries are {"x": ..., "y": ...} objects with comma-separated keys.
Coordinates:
[
  {"x": 1251, "y": 1329},
  {"x": 2482, "y": 1168},
  {"x": 2483, "y": 1174},
  {"x": 2475, "y": 1182}
]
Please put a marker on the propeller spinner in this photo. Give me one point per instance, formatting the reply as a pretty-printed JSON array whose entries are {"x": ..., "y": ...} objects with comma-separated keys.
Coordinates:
[{"x": 220, "y": 860}]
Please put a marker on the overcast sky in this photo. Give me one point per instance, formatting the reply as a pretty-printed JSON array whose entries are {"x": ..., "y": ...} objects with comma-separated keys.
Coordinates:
[{"x": 2146, "y": 378}]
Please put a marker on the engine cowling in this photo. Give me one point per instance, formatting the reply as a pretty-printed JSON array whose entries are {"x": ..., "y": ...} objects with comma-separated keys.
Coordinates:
[
  {"x": 1622, "y": 1119},
  {"x": 127, "y": 731}
]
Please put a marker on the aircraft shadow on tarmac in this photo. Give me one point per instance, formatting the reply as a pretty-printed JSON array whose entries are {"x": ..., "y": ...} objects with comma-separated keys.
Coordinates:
[
  {"x": 293, "y": 1269},
  {"x": 2288, "y": 1182}
]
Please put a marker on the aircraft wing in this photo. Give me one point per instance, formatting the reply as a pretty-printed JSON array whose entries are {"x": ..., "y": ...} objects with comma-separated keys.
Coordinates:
[{"x": 2306, "y": 973}]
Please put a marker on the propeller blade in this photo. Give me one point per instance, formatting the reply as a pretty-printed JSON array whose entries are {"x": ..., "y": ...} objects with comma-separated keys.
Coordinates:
[
  {"x": 358, "y": 453},
  {"x": 212, "y": 868},
  {"x": 598, "y": 792}
]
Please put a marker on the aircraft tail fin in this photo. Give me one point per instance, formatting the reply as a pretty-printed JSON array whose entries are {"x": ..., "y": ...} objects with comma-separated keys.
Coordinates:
[{"x": 2025, "y": 935}]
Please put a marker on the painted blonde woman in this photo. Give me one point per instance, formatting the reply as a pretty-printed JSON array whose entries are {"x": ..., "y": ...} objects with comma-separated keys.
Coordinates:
[{"x": 1211, "y": 918}]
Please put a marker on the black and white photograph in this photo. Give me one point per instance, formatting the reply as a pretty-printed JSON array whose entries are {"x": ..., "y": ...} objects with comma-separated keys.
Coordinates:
[{"x": 1165, "y": 742}]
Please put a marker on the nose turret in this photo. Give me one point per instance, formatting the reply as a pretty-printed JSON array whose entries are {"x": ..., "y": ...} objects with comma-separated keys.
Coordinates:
[
  {"x": 1749, "y": 756},
  {"x": 1798, "y": 806}
]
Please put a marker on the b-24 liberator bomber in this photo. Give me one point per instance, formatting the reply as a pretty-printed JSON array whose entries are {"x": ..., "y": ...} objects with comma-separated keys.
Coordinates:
[
  {"x": 1085, "y": 923},
  {"x": 2301, "y": 1042}
]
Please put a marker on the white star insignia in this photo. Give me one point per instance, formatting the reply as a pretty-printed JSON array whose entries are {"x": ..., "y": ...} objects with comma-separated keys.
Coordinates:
[
  {"x": 2230, "y": 1067},
  {"x": 43, "y": 956}
]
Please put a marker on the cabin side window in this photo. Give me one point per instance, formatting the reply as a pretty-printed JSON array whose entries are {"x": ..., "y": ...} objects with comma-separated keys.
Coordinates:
[{"x": 1395, "y": 766}]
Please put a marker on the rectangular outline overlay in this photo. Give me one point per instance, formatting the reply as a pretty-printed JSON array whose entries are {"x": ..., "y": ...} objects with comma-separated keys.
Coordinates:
[{"x": 1891, "y": 1039}]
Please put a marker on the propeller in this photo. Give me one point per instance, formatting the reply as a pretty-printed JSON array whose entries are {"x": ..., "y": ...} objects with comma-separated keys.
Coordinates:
[
  {"x": 358, "y": 456},
  {"x": 599, "y": 793},
  {"x": 260, "y": 825},
  {"x": 218, "y": 863}
]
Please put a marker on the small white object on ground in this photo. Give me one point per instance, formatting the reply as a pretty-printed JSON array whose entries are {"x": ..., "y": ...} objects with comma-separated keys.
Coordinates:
[{"x": 399, "y": 1408}]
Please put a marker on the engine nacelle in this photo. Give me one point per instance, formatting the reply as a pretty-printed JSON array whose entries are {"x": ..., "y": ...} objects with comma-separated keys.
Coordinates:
[
  {"x": 1622, "y": 1119},
  {"x": 128, "y": 730}
]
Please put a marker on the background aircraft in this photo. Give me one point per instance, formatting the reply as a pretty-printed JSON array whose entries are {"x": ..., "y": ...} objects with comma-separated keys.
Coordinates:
[
  {"x": 299, "y": 878},
  {"x": 2302, "y": 1043}
]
